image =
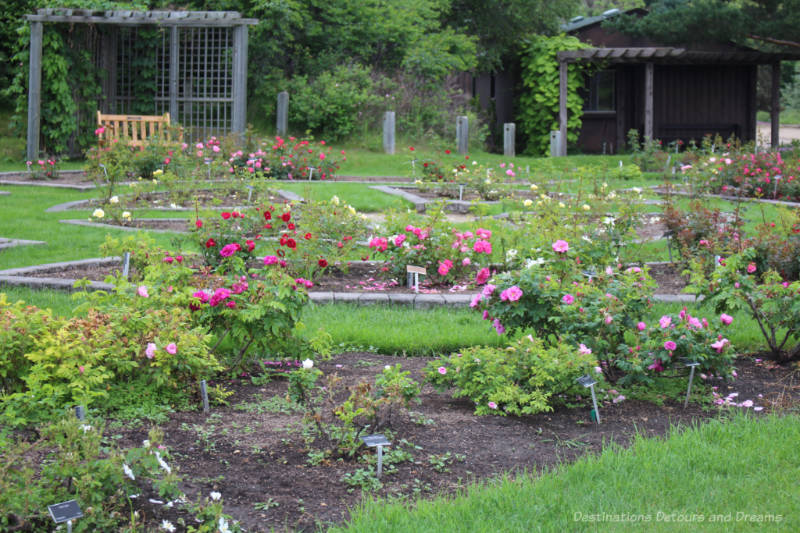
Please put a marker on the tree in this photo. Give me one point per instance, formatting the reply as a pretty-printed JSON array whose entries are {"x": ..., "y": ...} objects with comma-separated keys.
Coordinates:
[
  {"x": 501, "y": 25},
  {"x": 769, "y": 25}
]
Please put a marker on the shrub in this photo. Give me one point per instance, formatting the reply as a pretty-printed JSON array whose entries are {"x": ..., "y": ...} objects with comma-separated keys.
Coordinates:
[
  {"x": 334, "y": 103},
  {"x": 447, "y": 254},
  {"x": 20, "y": 326},
  {"x": 739, "y": 283},
  {"x": 527, "y": 377}
]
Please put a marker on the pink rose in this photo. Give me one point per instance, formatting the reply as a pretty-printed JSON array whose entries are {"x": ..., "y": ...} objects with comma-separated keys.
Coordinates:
[
  {"x": 482, "y": 276},
  {"x": 142, "y": 291},
  {"x": 725, "y": 319},
  {"x": 150, "y": 351},
  {"x": 171, "y": 348},
  {"x": 641, "y": 326},
  {"x": 670, "y": 345},
  {"x": 568, "y": 299},
  {"x": 561, "y": 246}
]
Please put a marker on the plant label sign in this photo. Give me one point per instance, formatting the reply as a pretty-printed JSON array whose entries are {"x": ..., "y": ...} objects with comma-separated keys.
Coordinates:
[
  {"x": 692, "y": 365},
  {"x": 65, "y": 511},
  {"x": 589, "y": 382},
  {"x": 416, "y": 272},
  {"x": 380, "y": 441},
  {"x": 376, "y": 440}
]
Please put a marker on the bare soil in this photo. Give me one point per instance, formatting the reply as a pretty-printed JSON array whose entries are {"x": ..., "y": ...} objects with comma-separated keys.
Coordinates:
[
  {"x": 253, "y": 456},
  {"x": 62, "y": 178}
]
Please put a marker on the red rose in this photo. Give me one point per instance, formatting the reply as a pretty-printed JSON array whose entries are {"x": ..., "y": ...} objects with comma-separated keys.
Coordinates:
[
  {"x": 198, "y": 223},
  {"x": 286, "y": 217},
  {"x": 250, "y": 245},
  {"x": 291, "y": 243},
  {"x": 411, "y": 148},
  {"x": 268, "y": 226},
  {"x": 447, "y": 151},
  {"x": 226, "y": 215},
  {"x": 290, "y": 225},
  {"x": 267, "y": 215},
  {"x": 210, "y": 243},
  {"x": 322, "y": 263},
  {"x": 308, "y": 236}
]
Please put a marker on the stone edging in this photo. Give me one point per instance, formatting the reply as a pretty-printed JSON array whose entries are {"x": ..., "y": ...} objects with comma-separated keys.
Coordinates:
[
  {"x": 10, "y": 243},
  {"x": 86, "y": 204},
  {"x": 92, "y": 224},
  {"x": 725, "y": 197},
  {"x": 17, "y": 277},
  {"x": 420, "y": 203}
]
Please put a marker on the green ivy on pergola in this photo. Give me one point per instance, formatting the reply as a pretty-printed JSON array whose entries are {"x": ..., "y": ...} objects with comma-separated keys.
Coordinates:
[{"x": 200, "y": 71}]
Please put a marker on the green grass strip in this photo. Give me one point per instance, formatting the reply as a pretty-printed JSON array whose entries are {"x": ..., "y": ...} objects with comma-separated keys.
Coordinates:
[
  {"x": 733, "y": 472},
  {"x": 401, "y": 330}
]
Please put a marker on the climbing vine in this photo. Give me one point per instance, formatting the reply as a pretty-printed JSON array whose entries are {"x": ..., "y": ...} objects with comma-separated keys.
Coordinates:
[
  {"x": 71, "y": 83},
  {"x": 538, "y": 114}
]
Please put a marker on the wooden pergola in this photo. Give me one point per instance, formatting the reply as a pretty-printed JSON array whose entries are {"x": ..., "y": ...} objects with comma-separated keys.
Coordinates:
[
  {"x": 200, "y": 81},
  {"x": 650, "y": 56}
]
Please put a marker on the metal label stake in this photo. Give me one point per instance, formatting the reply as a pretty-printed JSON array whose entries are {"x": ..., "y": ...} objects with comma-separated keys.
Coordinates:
[
  {"x": 204, "y": 394},
  {"x": 65, "y": 512},
  {"x": 379, "y": 441},
  {"x": 460, "y": 193},
  {"x": 310, "y": 173},
  {"x": 416, "y": 271},
  {"x": 249, "y": 193},
  {"x": 126, "y": 264},
  {"x": 692, "y": 365},
  {"x": 589, "y": 382},
  {"x": 80, "y": 412}
]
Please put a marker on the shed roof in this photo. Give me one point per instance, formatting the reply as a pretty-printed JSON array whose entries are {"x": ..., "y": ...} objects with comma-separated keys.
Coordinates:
[
  {"x": 668, "y": 54},
  {"x": 136, "y": 18}
]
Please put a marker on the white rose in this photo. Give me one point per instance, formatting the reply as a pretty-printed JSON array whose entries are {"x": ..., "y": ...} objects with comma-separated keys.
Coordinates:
[
  {"x": 98, "y": 213},
  {"x": 308, "y": 363},
  {"x": 114, "y": 199}
]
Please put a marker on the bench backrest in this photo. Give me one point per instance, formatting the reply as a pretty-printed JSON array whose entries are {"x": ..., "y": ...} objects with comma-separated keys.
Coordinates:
[{"x": 133, "y": 129}]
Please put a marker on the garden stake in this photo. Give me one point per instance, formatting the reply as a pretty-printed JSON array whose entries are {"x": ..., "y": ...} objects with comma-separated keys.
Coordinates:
[
  {"x": 588, "y": 382},
  {"x": 691, "y": 365},
  {"x": 80, "y": 412},
  {"x": 461, "y": 192},
  {"x": 204, "y": 394},
  {"x": 380, "y": 441},
  {"x": 310, "y": 173},
  {"x": 594, "y": 402},
  {"x": 126, "y": 264},
  {"x": 249, "y": 193}
]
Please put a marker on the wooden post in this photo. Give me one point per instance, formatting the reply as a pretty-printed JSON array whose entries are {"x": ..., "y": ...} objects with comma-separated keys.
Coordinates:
[
  {"x": 388, "y": 132},
  {"x": 462, "y": 134},
  {"x": 174, "y": 55},
  {"x": 648, "y": 101},
  {"x": 562, "y": 107},
  {"x": 509, "y": 134},
  {"x": 239, "y": 118},
  {"x": 34, "y": 90},
  {"x": 282, "y": 125},
  {"x": 775, "y": 106}
]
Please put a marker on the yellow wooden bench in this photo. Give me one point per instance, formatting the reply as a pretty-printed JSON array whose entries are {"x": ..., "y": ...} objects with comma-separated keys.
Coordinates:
[{"x": 132, "y": 129}]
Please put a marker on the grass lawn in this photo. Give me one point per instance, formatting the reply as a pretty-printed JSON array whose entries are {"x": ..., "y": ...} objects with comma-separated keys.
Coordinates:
[{"x": 723, "y": 476}]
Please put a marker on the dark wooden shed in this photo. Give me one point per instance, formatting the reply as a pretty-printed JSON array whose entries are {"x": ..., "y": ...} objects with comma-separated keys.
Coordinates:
[{"x": 664, "y": 92}]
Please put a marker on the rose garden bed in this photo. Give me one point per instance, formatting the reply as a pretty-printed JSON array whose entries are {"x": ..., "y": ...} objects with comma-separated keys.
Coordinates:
[{"x": 249, "y": 452}]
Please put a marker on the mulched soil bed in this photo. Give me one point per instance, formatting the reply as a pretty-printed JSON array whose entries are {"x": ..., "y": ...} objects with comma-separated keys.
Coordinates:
[
  {"x": 252, "y": 457},
  {"x": 63, "y": 178}
]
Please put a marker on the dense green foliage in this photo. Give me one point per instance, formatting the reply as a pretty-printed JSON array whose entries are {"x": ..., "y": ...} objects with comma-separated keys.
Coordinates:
[{"x": 539, "y": 104}]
